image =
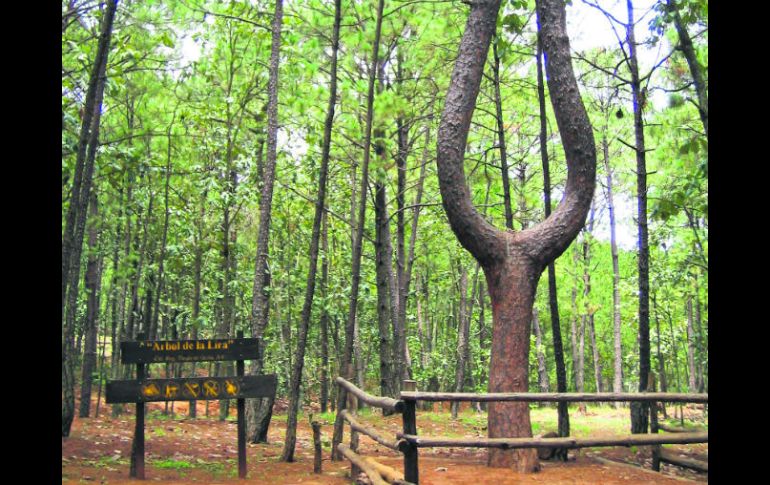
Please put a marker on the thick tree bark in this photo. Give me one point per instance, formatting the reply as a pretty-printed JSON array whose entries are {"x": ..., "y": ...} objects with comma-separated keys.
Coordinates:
[
  {"x": 357, "y": 246},
  {"x": 259, "y": 411},
  {"x": 513, "y": 262},
  {"x": 307, "y": 306}
]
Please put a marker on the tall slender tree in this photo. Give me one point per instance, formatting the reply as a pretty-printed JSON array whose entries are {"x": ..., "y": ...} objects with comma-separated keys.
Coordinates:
[
  {"x": 299, "y": 361},
  {"x": 259, "y": 411}
]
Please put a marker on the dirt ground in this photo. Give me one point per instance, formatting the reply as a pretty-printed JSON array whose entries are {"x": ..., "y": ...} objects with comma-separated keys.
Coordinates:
[{"x": 204, "y": 450}]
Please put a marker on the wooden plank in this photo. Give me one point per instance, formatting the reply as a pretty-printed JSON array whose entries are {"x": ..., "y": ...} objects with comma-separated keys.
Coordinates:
[
  {"x": 555, "y": 397},
  {"x": 184, "y": 389},
  {"x": 568, "y": 442},
  {"x": 152, "y": 351},
  {"x": 376, "y": 401}
]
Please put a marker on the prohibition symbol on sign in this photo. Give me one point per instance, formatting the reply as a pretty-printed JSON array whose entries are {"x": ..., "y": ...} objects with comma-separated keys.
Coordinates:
[{"x": 210, "y": 388}]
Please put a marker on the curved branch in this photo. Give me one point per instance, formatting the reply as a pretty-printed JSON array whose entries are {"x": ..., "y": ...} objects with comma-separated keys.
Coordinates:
[
  {"x": 548, "y": 239},
  {"x": 480, "y": 238}
]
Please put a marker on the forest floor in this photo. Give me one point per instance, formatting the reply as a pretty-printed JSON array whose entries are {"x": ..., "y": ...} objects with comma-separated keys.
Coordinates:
[{"x": 204, "y": 450}]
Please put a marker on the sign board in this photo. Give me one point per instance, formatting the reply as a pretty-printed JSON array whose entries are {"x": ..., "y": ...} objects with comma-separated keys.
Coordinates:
[
  {"x": 192, "y": 388},
  {"x": 153, "y": 351},
  {"x": 141, "y": 390}
]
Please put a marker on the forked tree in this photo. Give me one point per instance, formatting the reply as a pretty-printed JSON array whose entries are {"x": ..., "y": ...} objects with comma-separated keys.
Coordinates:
[{"x": 513, "y": 260}]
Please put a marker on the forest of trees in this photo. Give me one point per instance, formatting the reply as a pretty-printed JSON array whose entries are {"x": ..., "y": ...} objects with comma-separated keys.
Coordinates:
[{"x": 272, "y": 167}]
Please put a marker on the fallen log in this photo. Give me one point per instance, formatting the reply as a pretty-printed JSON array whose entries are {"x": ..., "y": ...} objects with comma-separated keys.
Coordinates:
[
  {"x": 568, "y": 442},
  {"x": 364, "y": 465},
  {"x": 357, "y": 426},
  {"x": 691, "y": 463}
]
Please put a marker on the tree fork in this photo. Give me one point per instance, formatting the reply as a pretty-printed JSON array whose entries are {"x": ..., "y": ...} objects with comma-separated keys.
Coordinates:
[{"x": 512, "y": 261}]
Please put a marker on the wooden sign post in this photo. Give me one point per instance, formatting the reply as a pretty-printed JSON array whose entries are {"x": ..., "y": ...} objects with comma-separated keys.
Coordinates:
[{"x": 141, "y": 390}]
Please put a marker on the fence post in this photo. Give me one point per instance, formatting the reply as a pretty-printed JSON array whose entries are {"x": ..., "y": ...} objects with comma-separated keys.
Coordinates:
[
  {"x": 239, "y": 371},
  {"x": 654, "y": 429},
  {"x": 411, "y": 469},
  {"x": 136, "y": 468},
  {"x": 316, "y": 446}
]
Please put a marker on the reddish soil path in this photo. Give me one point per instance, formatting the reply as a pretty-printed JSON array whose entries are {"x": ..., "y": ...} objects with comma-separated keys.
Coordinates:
[{"x": 183, "y": 451}]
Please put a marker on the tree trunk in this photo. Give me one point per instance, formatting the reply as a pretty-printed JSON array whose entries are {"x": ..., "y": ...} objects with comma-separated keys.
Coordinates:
[
  {"x": 357, "y": 246},
  {"x": 88, "y": 137},
  {"x": 574, "y": 338},
  {"x": 542, "y": 370},
  {"x": 259, "y": 411},
  {"x": 307, "y": 306},
  {"x": 463, "y": 329},
  {"x": 553, "y": 302},
  {"x": 93, "y": 290},
  {"x": 383, "y": 255},
  {"x": 513, "y": 262},
  {"x": 166, "y": 213},
  {"x": 618, "y": 357},
  {"x": 685, "y": 45},
  {"x": 501, "y": 138},
  {"x": 324, "y": 321},
  {"x": 691, "y": 373},
  {"x": 72, "y": 241},
  {"x": 640, "y": 411}
]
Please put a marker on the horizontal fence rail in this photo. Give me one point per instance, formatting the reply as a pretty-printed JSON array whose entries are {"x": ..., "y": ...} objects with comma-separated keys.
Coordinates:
[
  {"x": 568, "y": 442},
  {"x": 355, "y": 425},
  {"x": 387, "y": 403},
  {"x": 378, "y": 473},
  {"x": 407, "y": 442},
  {"x": 555, "y": 397}
]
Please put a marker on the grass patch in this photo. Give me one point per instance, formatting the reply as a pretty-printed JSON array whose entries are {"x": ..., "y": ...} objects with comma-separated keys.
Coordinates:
[{"x": 172, "y": 464}]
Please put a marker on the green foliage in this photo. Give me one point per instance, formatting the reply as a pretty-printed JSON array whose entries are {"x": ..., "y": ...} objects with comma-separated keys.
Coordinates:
[{"x": 208, "y": 111}]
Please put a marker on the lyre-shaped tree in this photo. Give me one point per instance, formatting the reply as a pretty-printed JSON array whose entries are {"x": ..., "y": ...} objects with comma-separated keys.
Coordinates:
[{"x": 513, "y": 261}]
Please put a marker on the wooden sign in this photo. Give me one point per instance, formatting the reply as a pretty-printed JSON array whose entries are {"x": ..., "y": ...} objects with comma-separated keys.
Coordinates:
[
  {"x": 193, "y": 388},
  {"x": 152, "y": 351}
]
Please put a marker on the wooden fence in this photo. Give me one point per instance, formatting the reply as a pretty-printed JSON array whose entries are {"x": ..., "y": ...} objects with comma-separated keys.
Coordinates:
[{"x": 408, "y": 442}]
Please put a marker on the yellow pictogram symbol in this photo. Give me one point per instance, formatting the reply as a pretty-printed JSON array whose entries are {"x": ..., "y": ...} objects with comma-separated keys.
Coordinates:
[
  {"x": 211, "y": 388},
  {"x": 150, "y": 390},
  {"x": 231, "y": 387},
  {"x": 171, "y": 389},
  {"x": 192, "y": 389}
]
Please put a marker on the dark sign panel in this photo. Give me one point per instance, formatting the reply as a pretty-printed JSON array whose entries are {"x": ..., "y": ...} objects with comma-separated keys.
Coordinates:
[
  {"x": 152, "y": 351},
  {"x": 194, "y": 388}
]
